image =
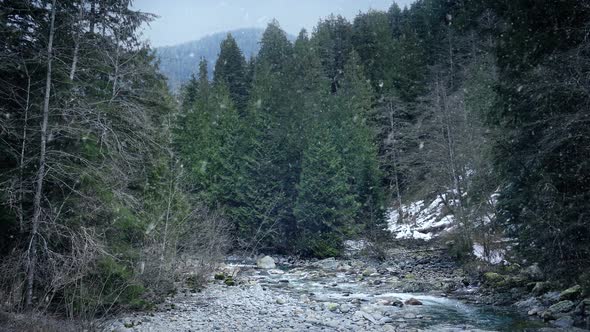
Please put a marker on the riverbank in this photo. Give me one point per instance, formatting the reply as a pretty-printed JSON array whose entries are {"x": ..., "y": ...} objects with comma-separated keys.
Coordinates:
[{"x": 414, "y": 290}]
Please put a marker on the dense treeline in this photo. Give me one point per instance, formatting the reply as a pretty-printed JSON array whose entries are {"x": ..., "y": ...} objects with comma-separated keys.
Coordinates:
[
  {"x": 293, "y": 164},
  {"x": 92, "y": 210},
  {"x": 461, "y": 99}
]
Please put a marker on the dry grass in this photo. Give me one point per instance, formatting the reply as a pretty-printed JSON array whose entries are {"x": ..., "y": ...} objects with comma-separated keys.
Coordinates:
[{"x": 35, "y": 322}]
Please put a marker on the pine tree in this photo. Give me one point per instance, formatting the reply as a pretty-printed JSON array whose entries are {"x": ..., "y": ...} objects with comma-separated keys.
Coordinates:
[
  {"x": 230, "y": 69},
  {"x": 373, "y": 41},
  {"x": 325, "y": 205},
  {"x": 360, "y": 150},
  {"x": 541, "y": 151},
  {"x": 332, "y": 39}
]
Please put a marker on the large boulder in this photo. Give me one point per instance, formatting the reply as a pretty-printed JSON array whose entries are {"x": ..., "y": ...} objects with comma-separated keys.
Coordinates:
[
  {"x": 562, "y": 306},
  {"x": 571, "y": 293},
  {"x": 369, "y": 271},
  {"x": 493, "y": 278},
  {"x": 557, "y": 310},
  {"x": 540, "y": 288},
  {"x": 266, "y": 262},
  {"x": 528, "y": 304},
  {"x": 327, "y": 264},
  {"x": 533, "y": 272},
  {"x": 550, "y": 298},
  {"x": 564, "y": 322},
  {"x": 583, "y": 308}
]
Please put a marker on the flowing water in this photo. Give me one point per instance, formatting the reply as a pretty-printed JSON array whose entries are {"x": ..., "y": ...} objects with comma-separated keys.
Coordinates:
[{"x": 437, "y": 312}]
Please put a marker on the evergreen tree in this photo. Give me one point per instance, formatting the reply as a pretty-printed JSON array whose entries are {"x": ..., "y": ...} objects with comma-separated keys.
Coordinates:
[
  {"x": 275, "y": 49},
  {"x": 332, "y": 39},
  {"x": 231, "y": 70},
  {"x": 325, "y": 205},
  {"x": 542, "y": 147},
  {"x": 357, "y": 141},
  {"x": 373, "y": 41}
]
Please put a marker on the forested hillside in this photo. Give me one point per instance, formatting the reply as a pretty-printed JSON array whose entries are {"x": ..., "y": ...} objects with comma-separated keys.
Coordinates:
[
  {"x": 179, "y": 62},
  {"x": 109, "y": 185},
  {"x": 93, "y": 209},
  {"x": 311, "y": 143}
]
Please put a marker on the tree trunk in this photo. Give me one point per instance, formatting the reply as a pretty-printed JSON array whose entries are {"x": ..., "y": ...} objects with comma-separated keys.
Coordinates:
[
  {"x": 77, "y": 41},
  {"x": 394, "y": 162},
  {"x": 32, "y": 250},
  {"x": 22, "y": 155},
  {"x": 92, "y": 16}
]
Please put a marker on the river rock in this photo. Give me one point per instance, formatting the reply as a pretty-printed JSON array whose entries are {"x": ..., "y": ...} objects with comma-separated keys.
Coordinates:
[
  {"x": 385, "y": 320},
  {"x": 550, "y": 298},
  {"x": 384, "y": 302},
  {"x": 397, "y": 303},
  {"x": 528, "y": 304},
  {"x": 332, "y": 306},
  {"x": 368, "y": 308},
  {"x": 281, "y": 300},
  {"x": 535, "y": 311},
  {"x": 540, "y": 288},
  {"x": 492, "y": 278},
  {"x": 534, "y": 272},
  {"x": 304, "y": 298},
  {"x": 558, "y": 308},
  {"x": 344, "y": 267},
  {"x": 564, "y": 322},
  {"x": 571, "y": 293},
  {"x": 327, "y": 264},
  {"x": 583, "y": 308},
  {"x": 413, "y": 301},
  {"x": 369, "y": 271},
  {"x": 266, "y": 262},
  {"x": 360, "y": 315},
  {"x": 345, "y": 308}
]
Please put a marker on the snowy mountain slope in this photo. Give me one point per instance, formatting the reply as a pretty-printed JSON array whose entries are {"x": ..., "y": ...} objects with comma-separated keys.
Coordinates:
[{"x": 179, "y": 62}]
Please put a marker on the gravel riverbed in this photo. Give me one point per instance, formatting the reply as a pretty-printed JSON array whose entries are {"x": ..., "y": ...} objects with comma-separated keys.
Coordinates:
[{"x": 412, "y": 293}]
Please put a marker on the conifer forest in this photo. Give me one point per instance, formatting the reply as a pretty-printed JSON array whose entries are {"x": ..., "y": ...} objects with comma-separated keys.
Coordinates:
[{"x": 424, "y": 167}]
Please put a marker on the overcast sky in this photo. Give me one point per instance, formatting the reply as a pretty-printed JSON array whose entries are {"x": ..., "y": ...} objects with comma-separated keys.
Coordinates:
[{"x": 184, "y": 20}]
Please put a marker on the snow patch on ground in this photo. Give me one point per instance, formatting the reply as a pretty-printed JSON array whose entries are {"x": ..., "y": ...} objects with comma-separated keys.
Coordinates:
[
  {"x": 493, "y": 257},
  {"x": 420, "y": 221}
]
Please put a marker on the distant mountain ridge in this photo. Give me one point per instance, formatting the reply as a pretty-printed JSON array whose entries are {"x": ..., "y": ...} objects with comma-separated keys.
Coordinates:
[{"x": 179, "y": 62}]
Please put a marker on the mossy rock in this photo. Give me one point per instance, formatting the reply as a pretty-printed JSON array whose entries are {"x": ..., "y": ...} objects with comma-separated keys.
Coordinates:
[
  {"x": 332, "y": 306},
  {"x": 558, "y": 308},
  {"x": 571, "y": 293},
  {"x": 513, "y": 268},
  {"x": 219, "y": 276},
  {"x": 493, "y": 278},
  {"x": 508, "y": 282},
  {"x": 540, "y": 288},
  {"x": 229, "y": 282}
]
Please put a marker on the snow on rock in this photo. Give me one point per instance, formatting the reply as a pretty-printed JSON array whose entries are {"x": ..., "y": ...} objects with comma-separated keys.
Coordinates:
[
  {"x": 420, "y": 221},
  {"x": 352, "y": 247}
]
